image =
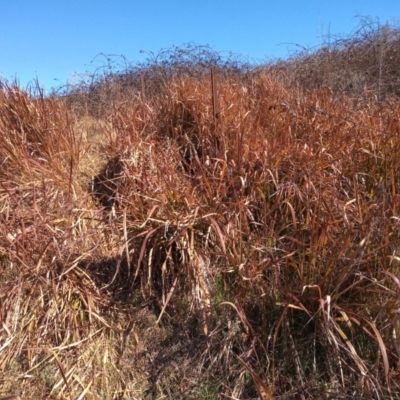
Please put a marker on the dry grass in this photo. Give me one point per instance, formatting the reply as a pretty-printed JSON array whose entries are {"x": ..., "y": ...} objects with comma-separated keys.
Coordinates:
[
  {"x": 362, "y": 65},
  {"x": 146, "y": 253}
]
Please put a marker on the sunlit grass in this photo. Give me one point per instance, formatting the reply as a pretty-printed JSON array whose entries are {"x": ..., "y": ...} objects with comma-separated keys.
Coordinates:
[{"x": 147, "y": 253}]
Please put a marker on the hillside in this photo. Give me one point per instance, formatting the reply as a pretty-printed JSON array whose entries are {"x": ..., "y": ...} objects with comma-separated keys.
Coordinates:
[{"x": 159, "y": 241}]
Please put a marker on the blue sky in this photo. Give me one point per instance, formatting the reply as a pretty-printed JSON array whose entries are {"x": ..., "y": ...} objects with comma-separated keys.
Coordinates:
[{"x": 55, "y": 39}]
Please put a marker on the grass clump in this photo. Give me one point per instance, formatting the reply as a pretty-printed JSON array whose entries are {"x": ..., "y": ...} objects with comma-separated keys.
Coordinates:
[{"x": 151, "y": 250}]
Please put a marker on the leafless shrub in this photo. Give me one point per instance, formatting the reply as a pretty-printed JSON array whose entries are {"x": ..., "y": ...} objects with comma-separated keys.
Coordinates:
[
  {"x": 362, "y": 65},
  {"x": 117, "y": 79}
]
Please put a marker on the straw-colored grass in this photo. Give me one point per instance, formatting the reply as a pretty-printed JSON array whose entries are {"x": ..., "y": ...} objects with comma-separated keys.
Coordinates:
[{"x": 152, "y": 254}]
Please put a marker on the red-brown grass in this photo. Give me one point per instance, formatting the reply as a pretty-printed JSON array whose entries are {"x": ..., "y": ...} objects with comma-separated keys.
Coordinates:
[{"x": 149, "y": 252}]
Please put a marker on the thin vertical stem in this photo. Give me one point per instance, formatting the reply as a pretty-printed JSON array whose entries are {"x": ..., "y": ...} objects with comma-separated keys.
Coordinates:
[{"x": 214, "y": 93}]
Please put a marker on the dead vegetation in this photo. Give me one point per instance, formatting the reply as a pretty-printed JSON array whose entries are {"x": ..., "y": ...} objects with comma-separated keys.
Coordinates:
[
  {"x": 148, "y": 253},
  {"x": 363, "y": 65}
]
